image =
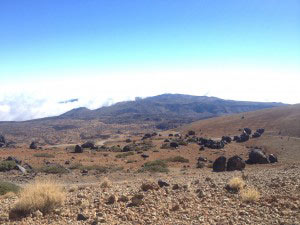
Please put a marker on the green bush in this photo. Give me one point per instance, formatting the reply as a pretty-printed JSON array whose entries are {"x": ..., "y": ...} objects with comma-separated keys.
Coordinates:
[
  {"x": 177, "y": 159},
  {"x": 159, "y": 166},
  {"x": 45, "y": 155},
  {"x": 7, "y": 165},
  {"x": 124, "y": 155},
  {"x": 6, "y": 187},
  {"x": 53, "y": 169}
]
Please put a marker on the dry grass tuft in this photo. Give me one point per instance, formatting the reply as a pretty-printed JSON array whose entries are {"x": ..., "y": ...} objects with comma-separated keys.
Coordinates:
[
  {"x": 250, "y": 195},
  {"x": 106, "y": 183},
  {"x": 235, "y": 184},
  {"x": 44, "y": 196}
]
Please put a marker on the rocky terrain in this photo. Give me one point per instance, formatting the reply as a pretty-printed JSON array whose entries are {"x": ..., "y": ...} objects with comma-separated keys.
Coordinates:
[{"x": 179, "y": 176}]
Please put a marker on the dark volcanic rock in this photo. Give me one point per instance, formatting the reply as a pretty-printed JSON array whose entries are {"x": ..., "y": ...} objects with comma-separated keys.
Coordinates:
[
  {"x": 191, "y": 132},
  {"x": 2, "y": 139},
  {"x": 260, "y": 131},
  {"x": 174, "y": 145},
  {"x": 226, "y": 139},
  {"x": 145, "y": 156},
  {"x": 256, "y": 135},
  {"x": 81, "y": 217},
  {"x": 78, "y": 149},
  {"x": 247, "y": 131},
  {"x": 235, "y": 163},
  {"x": 219, "y": 164},
  {"x": 88, "y": 144},
  {"x": 243, "y": 138},
  {"x": 162, "y": 183},
  {"x": 257, "y": 156},
  {"x": 10, "y": 158},
  {"x": 273, "y": 158},
  {"x": 147, "y": 136},
  {"x": 33, "y": 145}
]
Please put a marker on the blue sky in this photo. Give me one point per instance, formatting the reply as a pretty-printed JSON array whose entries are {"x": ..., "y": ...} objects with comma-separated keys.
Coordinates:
[{"x": 65, "y": 42}]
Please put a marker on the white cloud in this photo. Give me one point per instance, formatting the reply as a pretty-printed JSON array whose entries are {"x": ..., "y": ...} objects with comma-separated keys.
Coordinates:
[{"x": 27, "y": 98}]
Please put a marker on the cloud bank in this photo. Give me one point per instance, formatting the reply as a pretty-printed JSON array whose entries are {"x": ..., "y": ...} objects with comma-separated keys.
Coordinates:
[{"x": 32, "y": 98}]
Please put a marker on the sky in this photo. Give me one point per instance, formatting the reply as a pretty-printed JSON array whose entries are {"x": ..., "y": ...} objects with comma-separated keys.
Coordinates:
[{"x": 101, "y": 52}]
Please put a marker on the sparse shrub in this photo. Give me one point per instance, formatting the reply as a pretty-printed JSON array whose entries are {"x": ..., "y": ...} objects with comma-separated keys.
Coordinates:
[
  {"x": 44, "y": 155},
  {"x": 235, "y": 184},
  {"x": 6, "y": 187},
  {"x": 250, "y": 195},
  {"x": 155, "y": 166},
  {"x": 76, "y": 166},
  {"x": 131, "y": 161},
  {"x": 44, "y": 196},
  {"x": 53, "y": 169},
  {"x": 106, "y": 183},
  {"x": 177, "y": 159},
  {"x": 7, "y": 165},
  {"x": 124, "y": 155}
]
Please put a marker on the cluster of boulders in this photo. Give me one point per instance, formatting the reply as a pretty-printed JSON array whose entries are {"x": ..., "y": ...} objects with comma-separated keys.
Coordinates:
[
  {"x": 208, "y": 143},
  {"x": 234, "y": 163},
  {"x": 245, "y": 136},
  {"x": 256, "y": 156}
]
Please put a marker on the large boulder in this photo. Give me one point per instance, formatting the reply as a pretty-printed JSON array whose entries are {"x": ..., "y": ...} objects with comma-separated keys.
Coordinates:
[
  {"x": 88, "y": 144},
  {"x": 148, "y": 135},
  {"x": 256, "y": 135},
  {"x": 174, "y": 145},
  {"x": 219, "y": 164},
  {"x": 273, "y": 158},
  {"x": 2, "y": 139},
  {"x": 257, "y": 156},
  {"x": 78, "y": 149},
  {"x": 247, "y": 131},
  {"x": 260, "y": 131},
  {"x": 226, "y": 139},
  {"x": 243, "y": 138},
  {"x": 33, "y": 145},
  {"x": 235, "y": 163}
]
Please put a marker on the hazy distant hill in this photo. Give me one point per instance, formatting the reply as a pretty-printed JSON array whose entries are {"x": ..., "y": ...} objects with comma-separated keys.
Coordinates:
[
  {"x": 163, "y": 112},
  {"x": 166, "y": 110}
]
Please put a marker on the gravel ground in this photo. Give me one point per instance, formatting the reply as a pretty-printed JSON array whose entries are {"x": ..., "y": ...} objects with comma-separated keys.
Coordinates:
[{"x": 200, "y": 198}]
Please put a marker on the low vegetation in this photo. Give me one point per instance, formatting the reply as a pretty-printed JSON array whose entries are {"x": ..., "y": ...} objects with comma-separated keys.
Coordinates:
[
  {"x": 44, "y": 155},
  {"x": 7, "y": 165},
  {"x": 159, "y": 166},
  {"x": 177, "y": 159},
  {"x": 44, "y": 196},
  {"x": 124, "y": 155},
  {"x": 53, "y": 169},
  {"x": 235, "y": 184},
  {"x": 250, "y": 194},
  {"x": 98, "y": 168},
  {"x": 6, "y": 187}
]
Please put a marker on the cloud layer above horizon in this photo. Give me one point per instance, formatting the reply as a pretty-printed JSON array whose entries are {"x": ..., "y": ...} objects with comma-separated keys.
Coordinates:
[{"x": 31, "y": 98}]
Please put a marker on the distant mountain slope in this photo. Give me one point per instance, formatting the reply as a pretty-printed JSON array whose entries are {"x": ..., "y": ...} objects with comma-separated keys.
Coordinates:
[
  {"x": 166, "y": 110},
  {"x": 280, "y": 121}
]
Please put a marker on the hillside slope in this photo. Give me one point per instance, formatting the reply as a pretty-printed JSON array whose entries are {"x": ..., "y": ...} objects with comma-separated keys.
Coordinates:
[
  {"x": 281, "y": 121},
  {"x": 167, "y": 110}
]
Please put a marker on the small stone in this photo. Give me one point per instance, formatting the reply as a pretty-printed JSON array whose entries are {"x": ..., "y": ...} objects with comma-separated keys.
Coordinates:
[
  {"x": 111, "y": 200},
  {"x": 123, "y": 198},
  {"x": 175, "y": 187},
  {"x": 162, "y": 183},
  {"x": 81, "y": 217}
]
